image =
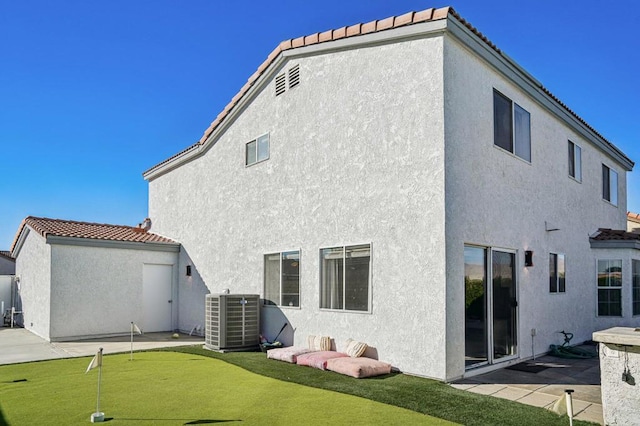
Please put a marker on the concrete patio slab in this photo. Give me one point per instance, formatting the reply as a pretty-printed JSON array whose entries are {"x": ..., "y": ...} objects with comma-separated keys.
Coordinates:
[
  {"x": 538, "y": 400},
  {"x": 486, "y": 389},
  {"x": 511, "y": 393},
  {"x": 593, "y": 413},
  {"x": 19, "y": 345},
  {"x": 542, "y": 389}
]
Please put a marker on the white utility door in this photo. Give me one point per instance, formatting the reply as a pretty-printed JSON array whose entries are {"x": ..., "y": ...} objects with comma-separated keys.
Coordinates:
[{"x": 157, "y": 297}]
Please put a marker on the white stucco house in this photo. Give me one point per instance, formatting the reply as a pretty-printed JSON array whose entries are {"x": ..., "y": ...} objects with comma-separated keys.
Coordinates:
[
  {"x": 400, "y": 182},
  {"x": 79, "y": 279},
  {"x": 404, "y": 183}
]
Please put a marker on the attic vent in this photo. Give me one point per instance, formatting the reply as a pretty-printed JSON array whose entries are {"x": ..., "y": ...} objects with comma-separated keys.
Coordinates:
[
  {"x": 294, "y": 76},
  {"x": 280, "y": 84}
]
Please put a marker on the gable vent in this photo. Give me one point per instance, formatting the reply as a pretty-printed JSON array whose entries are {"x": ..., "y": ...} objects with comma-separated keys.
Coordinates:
[
  {"x": 294, "y": 76},
  {"x": 280, "y": 84}
]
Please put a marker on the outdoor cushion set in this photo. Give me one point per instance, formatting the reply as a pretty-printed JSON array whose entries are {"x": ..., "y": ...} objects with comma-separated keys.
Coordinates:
[{"x": 318, "y": 354}]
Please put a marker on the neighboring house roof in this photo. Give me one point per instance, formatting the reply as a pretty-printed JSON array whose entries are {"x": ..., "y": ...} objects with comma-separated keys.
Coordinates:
[
  {"x": 615, "y": 238},
  {"x": 389, "y": 23},
  {"x": 6, "y": 255},
  {"x": 633, "y": 217},
  {"x": 86, "y": 230},
  {"x": 605, "y": 234}
]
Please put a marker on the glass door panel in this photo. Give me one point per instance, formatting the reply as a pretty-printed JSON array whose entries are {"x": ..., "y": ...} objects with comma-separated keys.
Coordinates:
[
  {"x": 504, "y": 304},
  {"x": 475, "y": 285}
]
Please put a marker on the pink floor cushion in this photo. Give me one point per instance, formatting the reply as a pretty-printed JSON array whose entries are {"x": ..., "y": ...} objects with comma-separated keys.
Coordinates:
[
  {"x": 288, "y": 354},
  {"x": 319, "y": 359},
  {"x": 358, "y": 367}
]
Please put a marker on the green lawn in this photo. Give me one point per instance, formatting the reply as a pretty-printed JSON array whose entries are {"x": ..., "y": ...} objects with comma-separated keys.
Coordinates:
[
  {"x": 191, "y": 385},
  {"x": 170, "y": 388},
  {"x": 417, "y": 394}
]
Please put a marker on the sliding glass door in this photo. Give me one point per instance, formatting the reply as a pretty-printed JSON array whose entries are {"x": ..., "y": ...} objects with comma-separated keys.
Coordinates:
[{"x": 490, "y": 308}]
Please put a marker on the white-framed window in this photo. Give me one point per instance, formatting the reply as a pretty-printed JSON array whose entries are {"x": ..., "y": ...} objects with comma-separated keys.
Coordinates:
[
  {"x": 635, "y": 296},
  {"x": 556, "y": 273},
  {"x": 511, "y": 126},
  {"x": 609, "y": 185},
  {"x": 257, "y": 150},
  {"x": 282, "y": 279},
  {"x": 575, "y": 161},
  {"x": 345, "y": 278},
  {"x": 609, "y": 288}
]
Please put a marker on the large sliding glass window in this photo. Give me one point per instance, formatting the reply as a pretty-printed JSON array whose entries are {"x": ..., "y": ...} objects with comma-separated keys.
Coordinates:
[
  {"x": 610, "y": 288},
  {"x": 475, "y": 303},
  {"x": 490, "y": 307},
  {"x": 504, "y": 303},
  {"x": 282, "y": 279},
  {"x": 344, "y": 278}
]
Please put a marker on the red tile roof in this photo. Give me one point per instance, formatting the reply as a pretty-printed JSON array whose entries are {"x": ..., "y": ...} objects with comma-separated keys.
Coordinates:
[
  {"x": 96, "y": 231},
  {"x": 391, "y": 22},
  {"x": 605, "y": 234},
  {"x": 633, "y": 217}
]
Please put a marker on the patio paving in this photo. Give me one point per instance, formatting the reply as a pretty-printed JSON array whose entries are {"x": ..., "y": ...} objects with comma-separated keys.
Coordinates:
[
  {"x": 20, "y": 345},
  {"x": 544, "y": 388}
]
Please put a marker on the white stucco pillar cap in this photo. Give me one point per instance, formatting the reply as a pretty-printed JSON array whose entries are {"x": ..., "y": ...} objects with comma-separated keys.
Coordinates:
[{"x": 627, "y": 336}]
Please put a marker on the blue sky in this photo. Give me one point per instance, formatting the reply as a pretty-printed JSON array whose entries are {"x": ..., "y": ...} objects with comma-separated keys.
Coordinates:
[{"x": 93, "y": 93}]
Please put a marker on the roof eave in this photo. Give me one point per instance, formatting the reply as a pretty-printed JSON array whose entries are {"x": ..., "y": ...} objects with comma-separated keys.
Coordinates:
[
  {"x": 101, "y": 243},
  {"x": 18, "y": 242},
  {"x": 414, "y": 24},
  {"x": 419, "y": 29},
  {"x": 514, "y": 72},
  {"x": 614, "y": 244}
]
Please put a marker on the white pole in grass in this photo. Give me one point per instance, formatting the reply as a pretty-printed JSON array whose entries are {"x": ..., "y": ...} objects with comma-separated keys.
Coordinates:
[
  {"x": 135, "y": 328},
  {"x": 98, "y": 416},
  {"x": 568, "y": 393}
]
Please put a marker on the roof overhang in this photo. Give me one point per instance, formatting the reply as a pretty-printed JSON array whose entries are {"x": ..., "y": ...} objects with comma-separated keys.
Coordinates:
[
  {"x": 614, "y": 244},
  {"x": 92, "y": 242},
  {"x": 447, "y": 23},
  {"x": 419, "y": 30},
  {"x": 129, "y": 245},
  {"x": 525, "y": 81}
]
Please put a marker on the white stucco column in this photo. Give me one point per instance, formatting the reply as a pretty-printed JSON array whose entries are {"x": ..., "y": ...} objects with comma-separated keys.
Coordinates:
[{"x": 620, "y": 374}]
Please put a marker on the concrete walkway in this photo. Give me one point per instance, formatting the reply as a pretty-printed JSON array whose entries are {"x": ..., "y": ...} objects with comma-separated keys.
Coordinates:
[
  {"x": 19, "y": 345},
  {"x": 545, "y": 387}
]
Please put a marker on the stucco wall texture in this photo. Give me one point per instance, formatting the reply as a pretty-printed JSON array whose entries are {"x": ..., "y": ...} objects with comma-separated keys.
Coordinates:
[
  {"x": 349, "y": 163},
  {"x": 98, "y": 290},
  {"x": 495, "y": 199},
  {"x": 620, "y": 396},
  {"x": 392, "y": 145},
  {"x": 33, "y": 267}
]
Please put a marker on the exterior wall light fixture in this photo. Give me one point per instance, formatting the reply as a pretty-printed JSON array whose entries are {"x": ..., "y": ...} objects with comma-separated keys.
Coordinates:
[{"x": 528, "y": 258}]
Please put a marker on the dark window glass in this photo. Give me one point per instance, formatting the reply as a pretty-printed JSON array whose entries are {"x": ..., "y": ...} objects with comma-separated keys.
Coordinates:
[
  {"x": 502, "y": 121},
  {"x": 606, "y": 186},
  {"x": 572, "y": 157}
]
